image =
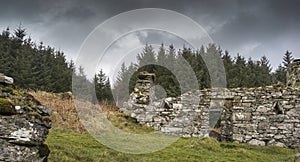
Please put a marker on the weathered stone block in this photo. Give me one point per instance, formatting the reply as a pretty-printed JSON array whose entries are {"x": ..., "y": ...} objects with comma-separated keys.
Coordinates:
[
  {"x": 257, "y": 142},
  {"x": 263, "y": 109},
  {"x": 263, "y": 125},
  {"x": 13, "y": 152},
  {"x": 5, "y": 79},
  {"x": 279, "y": 137},
  {"x": 284, "y": 126},
  {"x": 241, "y": 116},
  {"x": 296, "y": 133},
  {"x": 237, "y": 137}
]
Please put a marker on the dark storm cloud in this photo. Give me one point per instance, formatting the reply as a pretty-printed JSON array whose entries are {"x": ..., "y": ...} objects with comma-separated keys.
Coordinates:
[
  {"x": 262, "y": 30},
  {"x": 253, "y": 28}
]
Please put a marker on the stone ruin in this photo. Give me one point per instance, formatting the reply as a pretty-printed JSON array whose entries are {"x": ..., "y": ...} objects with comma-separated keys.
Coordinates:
[
  {"x": 169, "y": 115},
  {"x": 264, "y": 116},
  {"x": 24, "y": 124},
  {"x": 141, "y": 92}
]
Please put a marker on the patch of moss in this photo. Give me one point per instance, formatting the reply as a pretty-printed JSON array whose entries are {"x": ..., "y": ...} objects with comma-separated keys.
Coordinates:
[
  {"x": 38, "y": 116},
  {"x": 6, "y": 107},
  {"x": 44, "y": 151},
  {"x": 7, "y": 89},
  {"x": 2, "y": 95},
  {"x": 228, "y": 103},
  {"x": 18, "y": 92}
]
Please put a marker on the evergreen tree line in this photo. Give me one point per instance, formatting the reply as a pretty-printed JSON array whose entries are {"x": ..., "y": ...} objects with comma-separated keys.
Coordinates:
[
  {"x": 239, "y": 71},
  {"x": 40, "y": 67},
  {"x": 35, "y": 66},
  {"x": 32, "y": 65}
]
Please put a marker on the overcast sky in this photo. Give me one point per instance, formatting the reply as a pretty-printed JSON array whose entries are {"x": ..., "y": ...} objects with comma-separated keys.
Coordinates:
[{"x": 252, "y": 28}]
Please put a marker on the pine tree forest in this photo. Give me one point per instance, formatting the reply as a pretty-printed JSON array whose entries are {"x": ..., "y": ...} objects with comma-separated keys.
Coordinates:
[{"x": 39, "y": 67}]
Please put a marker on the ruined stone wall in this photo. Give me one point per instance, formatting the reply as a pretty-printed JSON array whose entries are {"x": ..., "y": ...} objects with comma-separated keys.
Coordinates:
[
  {"x": 24, "y": 125},
  {"x": 187, "y": 115},
  {"x": 172, "y": 116},
  {"x": 263, "y": 116},
  {"x": 258, "y": 116}
]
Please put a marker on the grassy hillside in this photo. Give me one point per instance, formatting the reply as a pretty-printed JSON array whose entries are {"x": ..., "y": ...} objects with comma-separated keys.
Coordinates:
[
  {"x": 68, "y": 141},
  {"x": 68, "y": 145}
]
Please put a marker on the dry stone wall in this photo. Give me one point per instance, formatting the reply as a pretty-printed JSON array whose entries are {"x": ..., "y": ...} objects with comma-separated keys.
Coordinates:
[
  {"x": 187, "y": 115},
  {"x": 170, "y": 116},
  {"x": 263, "y": 116},
  {"x": 258, "y": 116}
]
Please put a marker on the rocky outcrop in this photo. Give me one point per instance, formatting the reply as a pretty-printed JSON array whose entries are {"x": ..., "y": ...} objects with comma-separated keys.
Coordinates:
[{"x": 24, "y": 125}]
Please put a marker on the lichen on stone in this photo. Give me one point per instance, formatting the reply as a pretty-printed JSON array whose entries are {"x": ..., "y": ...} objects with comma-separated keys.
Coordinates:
[{"x": 22, "y": 134}]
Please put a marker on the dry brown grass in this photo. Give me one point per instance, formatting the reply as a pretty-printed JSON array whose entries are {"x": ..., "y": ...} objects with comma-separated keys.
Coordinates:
[
  {"x": 63, "y": 110},
  {"x": 64, "y": 113}
]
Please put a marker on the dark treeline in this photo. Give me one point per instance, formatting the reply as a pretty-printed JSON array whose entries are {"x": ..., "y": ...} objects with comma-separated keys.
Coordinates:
[
  {"x": 38, "y": 67},
  {"x": 32, "y": 65},
  {"x": 41, "y": 67},
  {"x": 239, "y": 71}
]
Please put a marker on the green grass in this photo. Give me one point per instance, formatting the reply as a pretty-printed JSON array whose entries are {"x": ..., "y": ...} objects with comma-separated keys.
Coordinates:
[
  {"x": 126, "y": 123},
  {"x": 68, "y": 145}
]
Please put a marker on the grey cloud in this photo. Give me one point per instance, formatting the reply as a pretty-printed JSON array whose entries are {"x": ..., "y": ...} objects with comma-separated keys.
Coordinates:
[{"x": 234, "y": 24}]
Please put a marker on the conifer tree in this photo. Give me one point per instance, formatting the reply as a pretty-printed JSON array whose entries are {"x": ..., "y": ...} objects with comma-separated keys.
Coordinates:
[
  {"x": 280, "y": 75},
  {"x": 102, "y": 87},
  {"x": 287, "y": 59},
  {"x": 31, "y": 65}
]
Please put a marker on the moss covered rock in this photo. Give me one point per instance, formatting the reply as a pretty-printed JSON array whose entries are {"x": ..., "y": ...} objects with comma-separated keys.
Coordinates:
[
  {"x": 24, "y": 125},
  {"x": 6, "y": 107}
]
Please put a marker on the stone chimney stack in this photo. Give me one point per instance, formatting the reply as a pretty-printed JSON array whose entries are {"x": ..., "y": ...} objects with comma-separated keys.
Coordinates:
[
  {"x": 141, "y": 91},
  {"x": 293, "y": 74},
  {"x": 140, "y": 97}
]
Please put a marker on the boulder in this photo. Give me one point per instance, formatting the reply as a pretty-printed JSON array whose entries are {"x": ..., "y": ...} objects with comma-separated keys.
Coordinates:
[
  {"x": 257, "y": 142},
  {"x": 5, "y": 79}
]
